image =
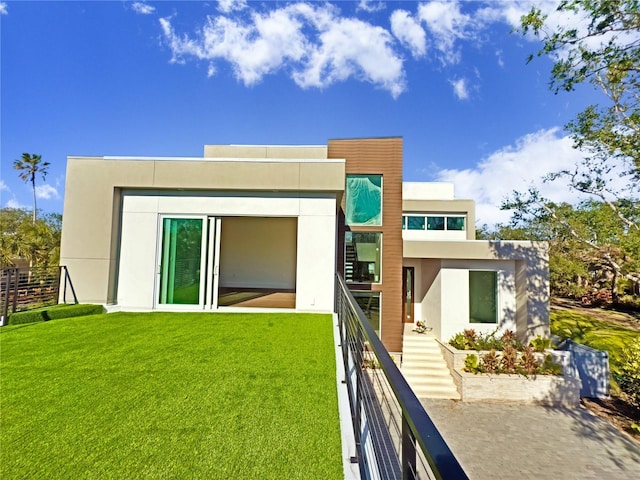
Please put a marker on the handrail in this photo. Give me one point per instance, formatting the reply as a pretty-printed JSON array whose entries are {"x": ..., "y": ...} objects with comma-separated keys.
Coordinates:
[{"x": 423, "y": 431}]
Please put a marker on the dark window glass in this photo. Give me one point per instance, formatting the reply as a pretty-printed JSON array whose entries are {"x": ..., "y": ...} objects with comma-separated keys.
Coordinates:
[
  {"x": 455, "y": 223},
  {"x": 483, "y": 297},
  {"x": 415, "y": 223},
  {"x": 435, "y": 223}
]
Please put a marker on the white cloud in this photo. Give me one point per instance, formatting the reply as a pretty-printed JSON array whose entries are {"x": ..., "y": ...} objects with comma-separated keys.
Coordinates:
[
  {"x": 516, "y": 167},
  {"x": 446, "y": 24},
  {"x": 13, "y": 203},
  {"x": 511, "y": 11},
  {"x": 409, "y": 32},
  {"x": 312, "y": 43},
  {"x": 352, "y": 48},
  {"x": 316, "y": 45},
  {"x": 228, "y": 6},
  {"x": 4, "y": 8},
  {"x": 142, "y": 8},
  {"x": 46, "y": 192},
  {"x": 3, "y": 186},
  {"x": 370, "y": 6},
  {"x": 460, "y": 89}
]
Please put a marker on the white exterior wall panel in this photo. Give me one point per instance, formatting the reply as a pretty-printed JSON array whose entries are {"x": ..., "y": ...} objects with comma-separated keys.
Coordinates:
[{"x": 316, "y": 230}]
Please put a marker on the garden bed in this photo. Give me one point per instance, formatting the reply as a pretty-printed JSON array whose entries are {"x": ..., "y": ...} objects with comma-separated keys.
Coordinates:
[{"x": 542, "y": 389}]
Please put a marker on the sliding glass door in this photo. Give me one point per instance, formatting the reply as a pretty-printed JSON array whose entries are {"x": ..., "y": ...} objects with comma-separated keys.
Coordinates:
[{"x": 188, "y": 253}]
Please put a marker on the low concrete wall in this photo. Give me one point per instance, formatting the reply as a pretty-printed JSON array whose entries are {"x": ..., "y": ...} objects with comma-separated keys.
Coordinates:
[{"x": 541, "y": 389}]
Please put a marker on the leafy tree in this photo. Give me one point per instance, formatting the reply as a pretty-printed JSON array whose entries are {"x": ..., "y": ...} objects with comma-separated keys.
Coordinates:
[
  {"x": 29, "y": 166},
  {"x": 589, "y": 246},
  {"x": 38, "y": 242},
  {"x": 597, "y": 241},
  {"x": 606, "y": 53}
]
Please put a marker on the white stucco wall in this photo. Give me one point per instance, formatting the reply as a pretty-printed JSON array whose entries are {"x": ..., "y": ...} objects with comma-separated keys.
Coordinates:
[
  {"x": 431, "y": 284},
  {"x": 427, "y": 191},
  {"x": 455, "y": 295},
  {"x": 442, "y": 294},
  {"x": 258, "y": 252},
  {"x": 441, "y": 235},
  {"x": 315, "y": 237}
]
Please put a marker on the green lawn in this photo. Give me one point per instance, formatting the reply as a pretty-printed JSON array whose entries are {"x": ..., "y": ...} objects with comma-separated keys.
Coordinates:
[
  {"x": 166, "y": 395},
  {"x": 595, "y": 333}
]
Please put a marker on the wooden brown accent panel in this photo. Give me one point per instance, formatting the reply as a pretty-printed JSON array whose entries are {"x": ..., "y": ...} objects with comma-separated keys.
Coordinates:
[{"x": 379, "y": 156}]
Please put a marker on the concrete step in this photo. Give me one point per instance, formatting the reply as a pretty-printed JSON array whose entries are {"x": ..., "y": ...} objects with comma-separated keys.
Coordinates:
[
  {"x": 426, "y": 373},
  {"x": 435, "y": 392},
  {"x": 424, "y": 364},
  {"x": 424, "y": 367}
]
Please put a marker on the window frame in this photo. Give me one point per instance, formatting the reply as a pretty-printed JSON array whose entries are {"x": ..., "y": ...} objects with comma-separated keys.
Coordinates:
[{"x": 427, "y": 216}]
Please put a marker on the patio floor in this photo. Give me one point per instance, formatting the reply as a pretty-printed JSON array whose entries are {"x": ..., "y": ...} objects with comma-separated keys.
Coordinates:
[{"x": 256, "y": 298}]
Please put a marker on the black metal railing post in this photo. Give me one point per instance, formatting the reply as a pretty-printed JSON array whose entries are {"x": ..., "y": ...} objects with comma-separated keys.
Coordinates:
[
  {"x": 408, "y": 452},
  {"x": 73, "y": 291},
  {"x": 16, "y": 284},
  {"x": 57, "y": 285},
  {"x": 7, "y": 272}
]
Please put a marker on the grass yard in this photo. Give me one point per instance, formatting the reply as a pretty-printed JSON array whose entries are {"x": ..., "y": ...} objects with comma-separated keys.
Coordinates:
[
  {"x": 598, "y": 334},
  {"x": 170, "y": 395}
]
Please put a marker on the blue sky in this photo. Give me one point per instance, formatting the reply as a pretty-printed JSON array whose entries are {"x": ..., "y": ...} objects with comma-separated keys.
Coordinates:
[{"x": 165, "y": 78}]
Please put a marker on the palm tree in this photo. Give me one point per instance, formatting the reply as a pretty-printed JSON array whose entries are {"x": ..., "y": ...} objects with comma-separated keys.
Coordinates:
[{"x": 29, "y": 166}]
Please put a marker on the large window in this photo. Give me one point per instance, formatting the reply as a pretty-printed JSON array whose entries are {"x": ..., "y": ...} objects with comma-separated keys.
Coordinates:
[
  {"x": 362, "y": 255},
  {"x": 433, "y": 222},
  {"x": 370, "y": 304},
  {"x": 364, "y": 200},
  {"x": 483, "y": 296}
]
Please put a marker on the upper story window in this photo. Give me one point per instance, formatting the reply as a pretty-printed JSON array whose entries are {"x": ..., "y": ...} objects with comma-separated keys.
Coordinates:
[
  {"x": 364, "y": 200},
  {"x": 433, "y": 222}
]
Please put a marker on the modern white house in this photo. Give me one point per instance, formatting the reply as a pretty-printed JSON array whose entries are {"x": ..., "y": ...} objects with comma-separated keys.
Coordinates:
[{"x": 270, "y": 226}]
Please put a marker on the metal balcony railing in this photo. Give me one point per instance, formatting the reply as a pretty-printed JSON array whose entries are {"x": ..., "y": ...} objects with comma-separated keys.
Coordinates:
[
  {"x": 28, "y": 288},
  {"x": 395, "y": 438}
]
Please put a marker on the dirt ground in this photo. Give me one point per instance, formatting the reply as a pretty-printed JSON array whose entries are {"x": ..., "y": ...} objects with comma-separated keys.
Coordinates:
[{"x": 616, "y": 410}]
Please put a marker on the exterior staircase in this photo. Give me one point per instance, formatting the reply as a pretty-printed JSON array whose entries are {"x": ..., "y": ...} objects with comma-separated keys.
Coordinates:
[{"x": 424, "y": 367}]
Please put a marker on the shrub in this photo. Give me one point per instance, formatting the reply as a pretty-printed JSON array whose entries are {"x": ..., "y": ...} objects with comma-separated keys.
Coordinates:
[
  {"x": 629, "y": 302},
  {"x": 457, "y": 341},
  {"x": 471, "y": 340},
  {"x": 491, "y": 362},
  {"x": 509, "y": 359},
  {"x": 540, "y": 344},
  {"x": 471, "y": 363},
  {"x": 528, "y": 363},
  {"x": 628, "y": 375},
  {"x": 53, "y": 313},
  {"x": 549, "y": 367}
]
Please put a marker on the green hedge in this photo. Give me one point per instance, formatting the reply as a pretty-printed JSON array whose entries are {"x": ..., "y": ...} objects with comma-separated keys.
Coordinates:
[{"x": 53, "y": 313}]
